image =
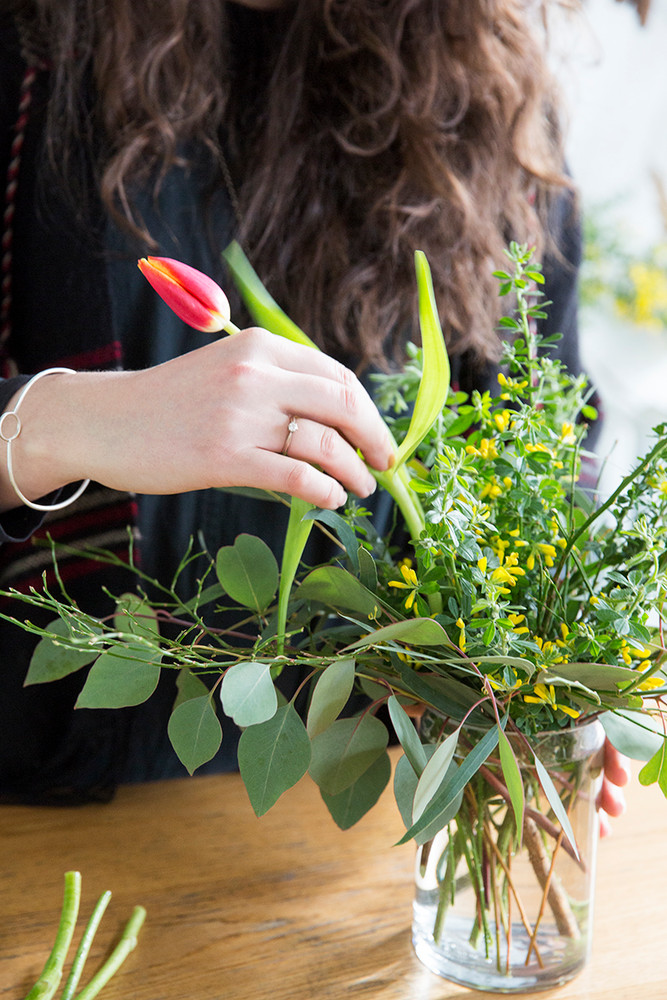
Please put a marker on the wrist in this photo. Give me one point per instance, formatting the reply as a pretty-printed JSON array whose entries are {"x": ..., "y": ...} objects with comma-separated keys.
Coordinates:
[{"x": 32, "y": 435}]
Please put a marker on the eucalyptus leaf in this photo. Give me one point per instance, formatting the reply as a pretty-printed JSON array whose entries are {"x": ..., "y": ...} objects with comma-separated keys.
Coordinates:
[
  {"x": 601, "y": 676},
  {"x": 368, "y": 574},
  {"x": 405, "y": 784},
  {"x": 343, "y": 529},
  {"x": 441, "y": 805},
  {"x": 52, "y": 660},
  {"x": 450, "y": 697},
  {"x": 188, "y": 686},
  {"x": 195, "y": 732},
  {"x": 330, "y": 695},
  {"x": 632, "y": 734},
  {"x": 342, "y": 753},
  {"x": 434, "y": 774},
  {"x": 247, "y": 693},
  {"x": 273, "y": 756},
  {"x": 248, "y": 572},
  {"x": 512, "y": 775},
  {"x": 120, "y": 677},
  {"x": 335, "y": 588},
  {"x": 415, "y": 631},
  {"x": 407, "y": 735},
  {"x": 510, "y": 661},
  {"x": 350, "y": 805},
  {"x": 556, "y": 804}
]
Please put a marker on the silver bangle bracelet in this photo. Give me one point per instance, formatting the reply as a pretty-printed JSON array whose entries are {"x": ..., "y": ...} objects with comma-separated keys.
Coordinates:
[{"x": 9, "y": 438}]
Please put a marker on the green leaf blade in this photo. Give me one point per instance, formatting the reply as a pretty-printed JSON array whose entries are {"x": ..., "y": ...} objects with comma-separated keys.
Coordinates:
[
  {"x": 247, "y": 693},
  {"x": 656, "y": 769},
  {"x": 262, "y": 307},
  {"x": 512, "y": 774},
  {"x": 195, "y": 732},
  {"x": 272, "y": 757},
  {"x": 121, "y": 677},
  {"x": 434, "y": 774},
  {"x": 330, "y": 695},
  {"x": 52, "y": 661},
  {"x": 348, "y": 807},
  {"x": 441, "y": 805},
  {"x": 248, "y": 572},
  {"x": 407, "y": 735},
  {"x": 434, "y": 386},
  {"x": 345, "y": 750}
]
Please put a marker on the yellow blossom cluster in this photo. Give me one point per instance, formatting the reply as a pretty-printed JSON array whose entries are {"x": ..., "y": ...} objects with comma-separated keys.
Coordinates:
[{"x": 648, "y": 306}]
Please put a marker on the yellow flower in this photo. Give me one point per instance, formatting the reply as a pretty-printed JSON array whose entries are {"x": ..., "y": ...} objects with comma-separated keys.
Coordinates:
[
  {"x": 409, "y": 582},
  {"x": 502, "y": 420},
  {"x": 651, "y": 683},
  {"x": 567, "y": 434},
  {"x": 487, "y": 449},
  {"x": 650, "y": 285},
  {"x": 543, "y": 695},
  {"x": 491, "y": 489},
  {"x": 460, "y": 624}
]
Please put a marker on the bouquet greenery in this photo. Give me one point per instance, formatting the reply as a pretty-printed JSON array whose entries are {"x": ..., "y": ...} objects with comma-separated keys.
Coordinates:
[{"x": 509, "y": 606}]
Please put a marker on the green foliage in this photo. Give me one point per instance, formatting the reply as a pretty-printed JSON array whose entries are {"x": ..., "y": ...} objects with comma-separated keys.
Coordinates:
[
  {"x": 248, "y": 572},
  {"x": 348, "y": 806},
  {"x": 273, "y": 756},
  {"x": 195, "y": 731},
  {"x": 122, "y": 676},
  {"x": 53, "y": 660},
  {"x": 247, "y": 693},
  {"x": 330, "y": 695},
  {"x": 518, "y": 595},
  {"x": 346, "y": 749}
]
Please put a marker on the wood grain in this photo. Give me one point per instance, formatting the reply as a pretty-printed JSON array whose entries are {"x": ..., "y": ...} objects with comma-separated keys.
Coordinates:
[{"x": 287, "y": 907}]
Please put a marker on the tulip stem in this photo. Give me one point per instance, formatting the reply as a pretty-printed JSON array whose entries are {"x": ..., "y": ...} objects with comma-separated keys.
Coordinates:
[{"x": 230, "y": 327}]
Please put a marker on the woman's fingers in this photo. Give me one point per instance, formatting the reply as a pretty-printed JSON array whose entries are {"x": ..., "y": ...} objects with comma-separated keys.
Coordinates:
[
  {"x": 611, "y": 800},
  {"x": 327, "y": 392},
  {"x": 282, "y": 474},
  {"x": 616, "y": 766},
  {"x": 316, "y": 444}
]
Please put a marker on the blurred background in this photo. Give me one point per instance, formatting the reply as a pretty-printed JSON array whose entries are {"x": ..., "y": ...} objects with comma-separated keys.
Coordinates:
[{"x": 615, "y": 79}]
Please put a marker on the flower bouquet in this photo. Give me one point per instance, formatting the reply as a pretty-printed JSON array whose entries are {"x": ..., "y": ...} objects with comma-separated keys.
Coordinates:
[{"x": 511, "y": 612}]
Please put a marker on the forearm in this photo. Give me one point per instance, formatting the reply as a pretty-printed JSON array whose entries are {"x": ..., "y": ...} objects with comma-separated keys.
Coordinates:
[{"x": 214, "y": 417}]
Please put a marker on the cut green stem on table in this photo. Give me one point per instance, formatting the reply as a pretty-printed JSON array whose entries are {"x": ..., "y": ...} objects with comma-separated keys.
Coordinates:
[
  {"x": 48, "y": 982},
  {"x": 126, "y": 944},
  {"x": 84, "y": 947}
]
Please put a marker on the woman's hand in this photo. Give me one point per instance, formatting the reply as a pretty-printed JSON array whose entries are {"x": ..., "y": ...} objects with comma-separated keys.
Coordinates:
[
  {"x": 217, "y": 416},
  {"x": 611, "y": 801}
]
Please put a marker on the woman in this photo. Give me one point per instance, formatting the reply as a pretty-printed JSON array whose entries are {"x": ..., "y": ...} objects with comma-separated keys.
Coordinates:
[{"x": 332, "y": 139}]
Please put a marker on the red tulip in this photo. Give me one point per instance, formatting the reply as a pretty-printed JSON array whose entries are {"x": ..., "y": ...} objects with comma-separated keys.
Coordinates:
[{"x": 193, "y": 296}]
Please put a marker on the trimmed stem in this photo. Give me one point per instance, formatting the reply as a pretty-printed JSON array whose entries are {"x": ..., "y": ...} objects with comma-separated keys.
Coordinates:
[
  {"x": 48, "y": 982},
  {"x": 126, "y": 944},
  {"x": 84, "y": 946},
  {"x": 557, "y": 899}
]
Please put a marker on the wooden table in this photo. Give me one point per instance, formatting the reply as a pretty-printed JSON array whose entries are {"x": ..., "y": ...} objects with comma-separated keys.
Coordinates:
[{"x": 287, "y": 906}]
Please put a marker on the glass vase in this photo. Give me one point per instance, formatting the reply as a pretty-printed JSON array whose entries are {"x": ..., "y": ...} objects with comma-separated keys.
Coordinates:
[{"x": 506, "y": 914}]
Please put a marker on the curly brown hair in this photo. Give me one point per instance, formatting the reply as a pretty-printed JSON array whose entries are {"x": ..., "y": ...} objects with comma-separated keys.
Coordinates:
[{"x": 366, "y": 130}]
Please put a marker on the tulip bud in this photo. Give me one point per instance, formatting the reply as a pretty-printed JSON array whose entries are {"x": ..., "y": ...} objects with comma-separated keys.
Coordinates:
[{"x": 193, "y": 296}]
